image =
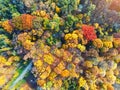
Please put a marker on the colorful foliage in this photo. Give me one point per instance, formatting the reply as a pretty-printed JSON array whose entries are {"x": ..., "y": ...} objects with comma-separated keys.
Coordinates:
[
  {"x": 68, "y": 50},
  {"x": 6, "y": 25},
  {"x": 89, "y": 32}
]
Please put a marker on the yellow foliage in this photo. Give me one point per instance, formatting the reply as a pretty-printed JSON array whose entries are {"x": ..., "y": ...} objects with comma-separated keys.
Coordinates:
[
  {"x": 88, "y": 64},
  {"x": 5, "y": 49},
  {"x": 117, "y": 58},
  {"x": 72, "y": 71},
  {"x": 44, "y": 71},
  {"x": 95, "y": 70},
  {"x": 79, "y": 33},
  {"x": 110, "y": 87},
  {"x": 74, "y": 74},
  {"x": 2, "y": 60},
  {"x": 104, "y": 86},
  {"x": 2, "y": 80},
  {"x": 41, "y": 82},
  {"x": 71, "y": 40},
  {"x": 7, "y": 26},
  {"x": 118, "y": 80},
  {"x": 57, "y": 84},
  {"x": 16, "y": 75},
  {"x": 14, "y": 58},
  {"x": 57, "y": 70},
  {"x": 8, "y": 63},
  {"x": 60, "y": 67},
  {"x": 108, "y": 44},
  {"x": 98, "y": 43},
  {"x": 71, "y": 36},
  {"x": 82, "y": 82},
  {"x": 116, "y": 72},
  {"x": 116, "y": 42},
  {"x": 52, "y": 76},
  {"x": 48, "y": 58},
  {"x": 57, "y": 9},
  {"x": 58, "y": 53},
  {"x": 80, "y": 16},
  {"x": 96, "y": 25},
  {"x": 42, "y": 13},
  {"x": 25, "y": 87},
  {"x": 102, "y": 72},
  {"x": 110, "y": 77},
  {"x": 38, "y": 63},
  {"x": 44, "y": 75},
  {"x": 78, "y": 25},
  {"x": 48, "y": 69},
  {"x": 39, "y": 13},
  {"x": 28, "y": 44},
  {"x": 67, "y": 56},
  {"x": 23, "y": 37},
  {"x": 93, "y": 86},
  {"x": 81, "y": 47}
]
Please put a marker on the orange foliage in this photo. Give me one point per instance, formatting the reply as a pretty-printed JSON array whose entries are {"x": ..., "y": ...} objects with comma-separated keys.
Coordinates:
[
  {"x": 115, "y": 5},
  {"x": 65, "y": 73},
  {"x": 27, "y": 21},
  {"x": 110, "y": 87}
]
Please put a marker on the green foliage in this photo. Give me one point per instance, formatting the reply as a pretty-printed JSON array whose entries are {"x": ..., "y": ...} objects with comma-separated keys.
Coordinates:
[
  {"x": 8, "y": 9},
  {"x": 90, "y": 8},
  {"x": 70, "y": 84},
  {"x": 4, "y": 41},
  {"x": 17, "y": 22},
  {"x": 46, "y": 23},
  {"x": 37, "y": 22},
  {"x": 67, "y": 6},
  {"x": 70, "y": 20},
  {"x": 33, "y": 8},
  {"x": 51, "y": 41},
  {"x": 70, "y": 23},
  {"x": 52, "y": 24}
]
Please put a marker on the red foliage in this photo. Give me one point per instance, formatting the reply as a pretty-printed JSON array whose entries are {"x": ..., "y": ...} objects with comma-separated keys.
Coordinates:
[{"x": 89, "y": 32}]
